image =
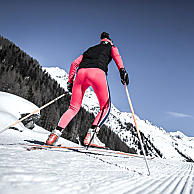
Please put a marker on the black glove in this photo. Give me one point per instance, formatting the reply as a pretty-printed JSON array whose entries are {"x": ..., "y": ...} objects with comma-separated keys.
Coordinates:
[
  {"x": 69, "y": 86},
  {"x": 124, "y": 76}
]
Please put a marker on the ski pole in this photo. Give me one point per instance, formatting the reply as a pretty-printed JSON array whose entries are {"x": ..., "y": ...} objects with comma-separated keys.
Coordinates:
[
  {"x": 30, "y": 114},
  {"x": 138, "y": 133}
]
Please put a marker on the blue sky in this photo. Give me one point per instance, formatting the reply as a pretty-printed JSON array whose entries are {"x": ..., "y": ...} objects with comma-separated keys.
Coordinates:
[{"x": 155, "y": 39}]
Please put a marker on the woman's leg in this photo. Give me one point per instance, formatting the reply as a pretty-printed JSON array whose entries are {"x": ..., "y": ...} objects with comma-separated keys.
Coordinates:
[
  {"x": 101, "y": 90},
  {"x": 78, "y": 91},
  {"x": 76, "y": 99}
]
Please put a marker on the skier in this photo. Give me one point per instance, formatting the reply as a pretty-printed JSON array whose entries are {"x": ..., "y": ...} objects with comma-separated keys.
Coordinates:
[{"x": 92, "y": 68}]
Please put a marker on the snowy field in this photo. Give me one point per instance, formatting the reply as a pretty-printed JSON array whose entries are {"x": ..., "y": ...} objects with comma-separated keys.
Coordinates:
[
  {"x": 61, "y": 171},
  {"x": 65, "y": 171}
]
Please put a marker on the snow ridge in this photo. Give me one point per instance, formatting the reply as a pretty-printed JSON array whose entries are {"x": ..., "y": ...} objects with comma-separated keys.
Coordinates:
[{"x": 171, "y": 145}]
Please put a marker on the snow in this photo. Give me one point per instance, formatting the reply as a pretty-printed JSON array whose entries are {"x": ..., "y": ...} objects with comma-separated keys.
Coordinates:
[
  {"x": 15, "y": 104},
  {"x": 11, "y": 109},
  {"x": 65, "y": 171},
  {"x": 166, "y": 143}
]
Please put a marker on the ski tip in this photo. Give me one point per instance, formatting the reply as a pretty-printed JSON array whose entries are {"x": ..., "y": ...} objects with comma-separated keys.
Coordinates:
[{"x": 34, "y": 148}]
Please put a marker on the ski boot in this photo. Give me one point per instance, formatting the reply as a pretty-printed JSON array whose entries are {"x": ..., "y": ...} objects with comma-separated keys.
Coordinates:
[
  {"x": 95, "y": 142},
  {"x": 54, "y": 136}
]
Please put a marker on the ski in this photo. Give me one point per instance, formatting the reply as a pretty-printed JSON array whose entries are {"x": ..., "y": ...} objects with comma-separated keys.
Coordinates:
[
  {"x": 82, "y": 149},
  {"x": 75, "y": 149},
  {"x": 41, "y": 147}
]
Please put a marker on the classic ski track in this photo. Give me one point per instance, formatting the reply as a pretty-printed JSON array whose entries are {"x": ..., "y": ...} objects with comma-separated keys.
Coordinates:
[
  {"x": 170, "y": 184},
  {"x": 111, "y": 163},
  {"x": 96, "y": 155},
  {"x": 177, "y": 178},
  {"x": 108, "y": 175}
]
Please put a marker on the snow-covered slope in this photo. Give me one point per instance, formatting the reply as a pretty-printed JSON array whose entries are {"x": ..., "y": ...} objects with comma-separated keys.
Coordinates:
[
  {"x": 15, "y": 104},
  {"x": 64, "y": 171},
  {"x": 167, "y": 143},
  {"x": 12, "y": 107}
]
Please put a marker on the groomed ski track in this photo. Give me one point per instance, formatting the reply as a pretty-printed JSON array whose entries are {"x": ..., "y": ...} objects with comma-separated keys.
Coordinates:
[{"x": 64, "y": 171}]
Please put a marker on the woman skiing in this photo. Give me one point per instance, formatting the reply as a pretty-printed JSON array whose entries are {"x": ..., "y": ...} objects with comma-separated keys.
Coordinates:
[{"x": 92, "y": 68}]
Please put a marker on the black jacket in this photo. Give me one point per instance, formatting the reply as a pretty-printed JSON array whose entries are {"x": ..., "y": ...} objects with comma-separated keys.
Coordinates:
[{"x": 98, "y": 56}]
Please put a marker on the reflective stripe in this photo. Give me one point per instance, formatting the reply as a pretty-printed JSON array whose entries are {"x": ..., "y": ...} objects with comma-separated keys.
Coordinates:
[{"x": 108, "y": 112}]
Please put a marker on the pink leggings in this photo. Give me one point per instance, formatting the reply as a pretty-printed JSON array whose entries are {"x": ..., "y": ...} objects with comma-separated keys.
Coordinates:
[{"x": 86, "y": 77}]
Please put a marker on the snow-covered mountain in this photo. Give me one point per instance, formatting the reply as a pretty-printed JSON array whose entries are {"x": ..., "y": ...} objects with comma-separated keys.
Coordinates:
[{"x": 174, "y": 145}]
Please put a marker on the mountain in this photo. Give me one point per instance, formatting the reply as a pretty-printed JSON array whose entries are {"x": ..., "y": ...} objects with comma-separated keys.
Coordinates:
[{"x": 158, "y": 142}]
